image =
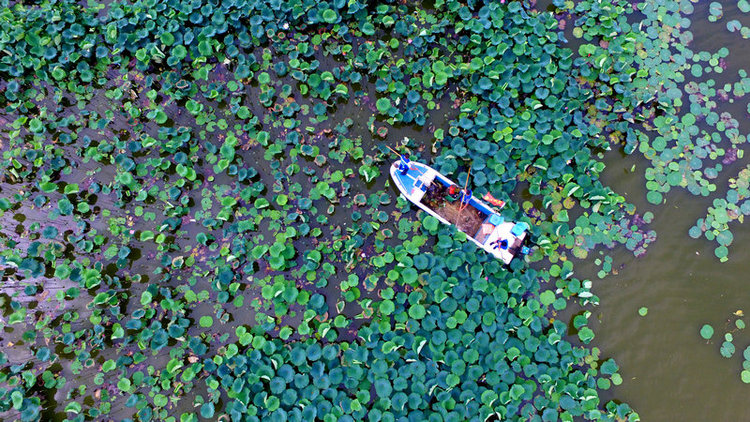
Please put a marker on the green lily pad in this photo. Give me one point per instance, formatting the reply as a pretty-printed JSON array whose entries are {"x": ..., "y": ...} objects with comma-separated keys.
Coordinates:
[
  {"x": 654, "y": 197},
  {"x": 206, "y": 321},
  {"x": 383, "y": 105}
]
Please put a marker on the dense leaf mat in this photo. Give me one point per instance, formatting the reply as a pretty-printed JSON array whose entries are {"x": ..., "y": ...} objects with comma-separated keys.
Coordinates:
[{"x": 198, "y": 222}]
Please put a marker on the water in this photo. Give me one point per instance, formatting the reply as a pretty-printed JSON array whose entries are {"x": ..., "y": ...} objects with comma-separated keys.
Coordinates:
[{"x": 669, "y": 372}]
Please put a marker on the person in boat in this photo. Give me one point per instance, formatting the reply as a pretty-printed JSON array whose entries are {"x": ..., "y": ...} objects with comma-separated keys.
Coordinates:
[
  {"x": 453, "y": 191},
  {"x": 433, "y": 191},
  {"x": 500, "y": 243},
  {"x": 432, "y": 196},
  {"x": 466, "y": 197},
  {"x": 404, "y": 164}
]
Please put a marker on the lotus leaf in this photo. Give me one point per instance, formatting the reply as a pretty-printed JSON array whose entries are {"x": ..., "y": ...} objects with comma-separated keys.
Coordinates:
[
  {"x": 727, "y": 349},
  {"x": 383, "y": 105},
  {"x": 206, "y": 321},
  {"x": 585, "y": 334}
]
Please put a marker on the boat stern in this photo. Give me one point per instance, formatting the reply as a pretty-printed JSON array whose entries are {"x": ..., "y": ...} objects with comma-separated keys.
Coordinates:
[{"x": 507, "y": 241}]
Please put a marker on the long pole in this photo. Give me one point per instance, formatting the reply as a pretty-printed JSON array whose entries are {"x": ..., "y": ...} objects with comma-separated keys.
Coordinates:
[
  {"x": 394, "y": 151},
  {"x": 466, "y": 185},
  {"x": 461, "y": 205}
]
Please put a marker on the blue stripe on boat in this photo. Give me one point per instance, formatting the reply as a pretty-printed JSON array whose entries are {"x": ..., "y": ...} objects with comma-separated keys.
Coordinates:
[{"x": 481, "y": 207}]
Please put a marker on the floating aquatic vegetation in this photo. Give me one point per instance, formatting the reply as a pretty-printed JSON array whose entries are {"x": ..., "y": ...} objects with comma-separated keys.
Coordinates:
[
  {"x": 689, "y": 141},
  {"x": 727, "y": 348},
  {"x": 707, "y": 331},
  {"x": 715, "y": 225},
  {"x": 715, "y": 11},
  {"x": 239, "y": 244}
]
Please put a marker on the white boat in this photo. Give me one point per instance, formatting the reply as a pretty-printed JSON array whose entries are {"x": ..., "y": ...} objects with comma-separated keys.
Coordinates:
[{"x": 428, "y": 189}]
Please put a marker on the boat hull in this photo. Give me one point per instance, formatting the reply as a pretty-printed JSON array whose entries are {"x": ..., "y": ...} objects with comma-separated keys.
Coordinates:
[{"x": 493, "y": 232}]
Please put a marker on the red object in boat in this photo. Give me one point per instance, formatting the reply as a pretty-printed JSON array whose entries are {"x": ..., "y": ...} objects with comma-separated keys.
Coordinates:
[{"x": 492, "y": 200}]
